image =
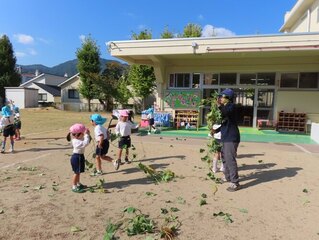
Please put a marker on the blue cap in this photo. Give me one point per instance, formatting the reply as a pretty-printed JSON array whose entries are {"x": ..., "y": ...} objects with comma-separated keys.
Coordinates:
[
  {"x": 98, "y": 119},
  {"x": 227, "y": 93},
  {"x": 6, "y": 111},
  {"x": 16, "y": 110}
]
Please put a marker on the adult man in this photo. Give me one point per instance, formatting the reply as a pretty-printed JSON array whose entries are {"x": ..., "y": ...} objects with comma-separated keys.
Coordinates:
[{"x": 230, "y": 138}]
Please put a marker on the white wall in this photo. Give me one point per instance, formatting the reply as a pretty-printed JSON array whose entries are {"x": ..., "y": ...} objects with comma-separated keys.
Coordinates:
[
  {"x": 50, "y": 97},
  {"x": 17, "y": 95},
  {"x": 23, "y": 97},
  {"x": 315, "y": 132}
]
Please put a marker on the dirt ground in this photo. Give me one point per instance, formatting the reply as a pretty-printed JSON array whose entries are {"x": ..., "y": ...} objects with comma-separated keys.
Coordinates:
[{"x": 279, "y": 199}]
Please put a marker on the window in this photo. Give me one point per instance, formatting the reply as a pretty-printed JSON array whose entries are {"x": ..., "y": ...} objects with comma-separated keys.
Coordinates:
[
  {"x": 266, "y": 79},
  {"x": 304, "y": 80},
  {"x": 196, "y": 80},
  {"x": 308, "y": 80},
  {"x": 289, "y": 80},
  {"x": 179, "y": 80},
  {"x": 247, "y": 78},
  {"x": 42, "y": 97},
  {"x": 210, "y": 79},
  {"x": 227, "y": 78},
  {"x": 73, "y": 94}
]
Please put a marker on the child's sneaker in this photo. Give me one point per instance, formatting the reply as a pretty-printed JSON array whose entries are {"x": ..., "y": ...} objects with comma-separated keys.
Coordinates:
[
  {"x": 149, "y": 133},
  {"x": 98, "y": 173},
  {"x": 233, "y": 187},
  {"x": 127, "y": 161},
  {"x": 11, "y": 150},
  {"x": 2, "y": 150},
  {"x": 78, "y": 190},
  {"x": 81, "y": 186},
  {"x": 116, "y": 164}
]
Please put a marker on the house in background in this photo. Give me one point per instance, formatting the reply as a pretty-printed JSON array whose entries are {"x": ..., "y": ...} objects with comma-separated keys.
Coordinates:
[
  {"x": 47, "y": 85},
  {"x": 71, "y": 99},
  {"x": 269, "y": 73}
]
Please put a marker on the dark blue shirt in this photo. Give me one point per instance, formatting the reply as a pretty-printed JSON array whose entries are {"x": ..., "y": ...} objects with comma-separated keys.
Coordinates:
[{"x": 229, "y": 129}]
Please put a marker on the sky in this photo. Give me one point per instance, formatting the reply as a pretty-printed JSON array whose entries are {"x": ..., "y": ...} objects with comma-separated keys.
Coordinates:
[{"x": 49, "y": 32}]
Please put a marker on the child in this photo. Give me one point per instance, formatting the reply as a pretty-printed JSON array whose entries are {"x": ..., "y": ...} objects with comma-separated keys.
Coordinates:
[
  {"x": 217, "y": 155},
  {"x": 150, "y": 117},
  {"x": 7, "y": 126},
  {"x": 124, "y": 129},
  {"x": 102, "y": 148},
  {"x": 17, "y": 123},
  {"x": 80, "y": 139}
]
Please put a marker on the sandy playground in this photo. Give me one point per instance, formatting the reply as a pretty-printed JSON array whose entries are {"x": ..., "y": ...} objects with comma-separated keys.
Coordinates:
[{"x": 279, "y": 199}]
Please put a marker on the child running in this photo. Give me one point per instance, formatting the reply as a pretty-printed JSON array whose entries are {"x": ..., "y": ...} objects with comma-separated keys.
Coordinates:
[
  {"x": 80, "y": 139},
  {"x": 7, "y": 126},
  {"x": 102, "y": 148},
  {"x": 124, "y": 130}
]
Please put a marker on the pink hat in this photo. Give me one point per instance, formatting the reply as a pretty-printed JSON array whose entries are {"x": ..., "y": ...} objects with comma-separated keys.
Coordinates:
[
  {"x": 77, "y": 128},
  {"x": 123, "y": 113}
]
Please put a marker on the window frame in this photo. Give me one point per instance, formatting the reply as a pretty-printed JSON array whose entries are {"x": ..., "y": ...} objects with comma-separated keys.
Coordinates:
[
  {"x": 298, "y": 82},
  {"x": 190, "y": 75},
  {"x": 41, "y": 95},
  {"x": 74, "y": 91}
]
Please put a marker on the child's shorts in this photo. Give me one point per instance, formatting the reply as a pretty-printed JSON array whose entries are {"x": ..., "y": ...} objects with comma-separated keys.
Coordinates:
[
  {"x": 9, "y": 131},
  {"x": 125, "y": 142},
  {"x": 78, "y": 163},
  {"x": 151, "y": 121},
  {"x": 104, "y": 150}
]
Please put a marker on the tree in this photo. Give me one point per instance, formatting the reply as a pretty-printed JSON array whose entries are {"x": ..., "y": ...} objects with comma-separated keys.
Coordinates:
[
  {"x": 143, "y": 80},
  {"x": 142, "y": 77},
  {"x": 123, "y": 93},
  {"x": 9, "y": 77},
  {"x": 89, "y": 68},
  {"x": 192, "y": 30},
  {"x": 108, "y": 84},
  {"x": 166, "y": 33}
]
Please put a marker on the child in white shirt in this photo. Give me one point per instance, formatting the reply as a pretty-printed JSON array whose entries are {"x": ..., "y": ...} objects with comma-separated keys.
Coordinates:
[
  {"x": 102, "y": 139},
  {"x": 80, "y": 140},
  {"x": 124, "y": 129},
  {"x": 217, "y": 155},
  {"x": 7, "y": 126}
]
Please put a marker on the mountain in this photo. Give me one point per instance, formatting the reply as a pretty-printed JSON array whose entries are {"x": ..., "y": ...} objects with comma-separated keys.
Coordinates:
[{"x": 68, "y": 67}]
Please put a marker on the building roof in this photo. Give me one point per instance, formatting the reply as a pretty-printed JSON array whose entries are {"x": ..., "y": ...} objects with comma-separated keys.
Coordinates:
[
  {"x": 158, "y": 52},
  {"x": 53, "y": 90},
  {"x": 69, "y": 79},
  {"x": 38, "y": 77},
  {"x": 295, "y": 14}
]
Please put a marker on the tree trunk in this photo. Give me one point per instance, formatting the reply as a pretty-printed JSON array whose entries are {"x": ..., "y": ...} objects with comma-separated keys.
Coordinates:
[{"x": 89, "y": 102}]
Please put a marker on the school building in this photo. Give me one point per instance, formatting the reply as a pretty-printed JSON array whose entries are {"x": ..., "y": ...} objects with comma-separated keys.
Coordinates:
[{"x": 269, "y": 73}]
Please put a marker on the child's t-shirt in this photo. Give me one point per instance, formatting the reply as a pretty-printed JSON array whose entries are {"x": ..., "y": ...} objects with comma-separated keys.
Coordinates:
[
  {"x": 124, "y": 128},
  {"x": 6, "y": 121},
  {"x": 98, "y": 131},
  {"x": 79, "y": 145},
  {"x": 217, "y": 134},
  {"x": 150, "y": 115}
]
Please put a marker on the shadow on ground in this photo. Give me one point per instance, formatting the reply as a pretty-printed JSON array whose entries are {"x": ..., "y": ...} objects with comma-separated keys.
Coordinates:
[{"x": 268, "y": 176}]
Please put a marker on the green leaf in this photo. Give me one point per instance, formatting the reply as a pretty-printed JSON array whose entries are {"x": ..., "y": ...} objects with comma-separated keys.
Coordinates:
[
  {"x": 204, "y": 195},
  {"x": 1, "y": 211},
  {"x": 201, "y": 150},
  {"x": 75, "y": 229},
  {"x": 54, "y": 188},
  {"x": 150, "y": 194},
  {"x": 38, "y": 187},
  {"x": 305, "y": 190},
  {"x": 130, "y": 210},
  {"x": 180, "y": 200},
  {"x": 164, "y": 211},
  {"x": 260, "y": 161},
  {"x": 174, "y": 209},
  {"x": 243, "y": 210},
  {"x": 202, "y": 202}
]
